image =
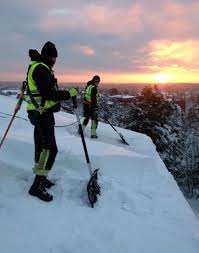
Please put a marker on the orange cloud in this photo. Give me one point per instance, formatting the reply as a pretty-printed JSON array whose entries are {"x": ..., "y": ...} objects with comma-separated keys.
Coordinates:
[
  {"x": 178, "y": 60},
  {"x": 99, "y": 19},
  {"x": 104, "y": 19},
  {"x": 180, "y": 53},
  {"x": 85, "y": 50}
]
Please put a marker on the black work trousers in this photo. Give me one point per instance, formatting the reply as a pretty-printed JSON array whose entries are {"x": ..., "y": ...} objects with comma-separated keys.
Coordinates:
[
  {"x": 45, "y": 142},
  {"x": 90, "y": 113}
]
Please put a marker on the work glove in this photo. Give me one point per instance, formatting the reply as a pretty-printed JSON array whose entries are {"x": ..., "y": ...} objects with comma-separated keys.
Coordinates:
[{"x": 73, "y": 92}]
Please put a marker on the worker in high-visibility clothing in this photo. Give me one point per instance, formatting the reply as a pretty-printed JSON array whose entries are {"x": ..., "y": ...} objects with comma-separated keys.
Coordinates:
[
  {"x": 43, "y": 98},
  {"x": 90, "y": 105}
]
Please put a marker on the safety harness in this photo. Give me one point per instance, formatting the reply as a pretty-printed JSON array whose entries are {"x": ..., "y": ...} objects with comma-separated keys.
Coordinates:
[{"x": 34, "y": 99}]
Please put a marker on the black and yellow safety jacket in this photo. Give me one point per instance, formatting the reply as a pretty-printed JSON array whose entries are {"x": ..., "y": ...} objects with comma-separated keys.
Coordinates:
[
  {"x": 42, "y": 89},
  {"x": 91, "y": 95}
]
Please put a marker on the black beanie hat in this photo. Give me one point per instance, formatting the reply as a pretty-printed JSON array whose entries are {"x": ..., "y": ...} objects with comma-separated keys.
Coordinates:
[
  {"x": 49, "y": 50},
  {"x": 96, "y": 79}
]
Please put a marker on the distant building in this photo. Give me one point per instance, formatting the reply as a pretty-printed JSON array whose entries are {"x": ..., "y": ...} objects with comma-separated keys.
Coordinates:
[{"x": 122, "y": 99}]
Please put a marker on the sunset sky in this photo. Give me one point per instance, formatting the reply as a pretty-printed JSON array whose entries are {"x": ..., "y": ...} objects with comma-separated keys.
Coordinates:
[{"x": 121, "y": 40}]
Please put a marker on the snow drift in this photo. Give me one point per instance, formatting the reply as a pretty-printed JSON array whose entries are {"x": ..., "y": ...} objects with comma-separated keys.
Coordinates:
[{"x": 141, "y": 209}]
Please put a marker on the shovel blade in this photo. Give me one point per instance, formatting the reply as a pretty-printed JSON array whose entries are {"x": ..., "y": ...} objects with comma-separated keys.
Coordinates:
[{"x": 93, "y": 188}]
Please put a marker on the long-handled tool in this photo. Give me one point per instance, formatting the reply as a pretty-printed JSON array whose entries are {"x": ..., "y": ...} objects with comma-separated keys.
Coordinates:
[
  {"x": 93, "y": 188},
  {"x": 17, "y": 108},
  {"x": 121, "y": 136}
]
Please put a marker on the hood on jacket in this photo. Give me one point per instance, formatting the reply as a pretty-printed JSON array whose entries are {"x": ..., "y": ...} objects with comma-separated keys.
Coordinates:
[
  {"x": 89, "y": 83},
  {"x": 34, "y": 55}
]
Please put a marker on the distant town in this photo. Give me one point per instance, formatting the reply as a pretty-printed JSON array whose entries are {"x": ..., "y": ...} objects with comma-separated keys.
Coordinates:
[{"x": 182, "y": 94}]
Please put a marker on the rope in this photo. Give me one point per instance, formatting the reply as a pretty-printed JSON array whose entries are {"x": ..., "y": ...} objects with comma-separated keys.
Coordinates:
[
  {"x": 74, "y": 123},
  {"x": 12, "y": 115},
  {"x": 7, "y": 114}
]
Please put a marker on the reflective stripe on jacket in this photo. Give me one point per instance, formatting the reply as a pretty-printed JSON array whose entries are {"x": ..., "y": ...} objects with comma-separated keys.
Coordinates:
[
  {"x": 88, "y": 93},
  {"x": 34, "y": 91}
]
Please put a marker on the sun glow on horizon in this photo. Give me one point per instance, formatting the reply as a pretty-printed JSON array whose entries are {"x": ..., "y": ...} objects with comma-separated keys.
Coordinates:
[
  {"x": 162, "y": 78},
  {"x": 169, "y": 75}
]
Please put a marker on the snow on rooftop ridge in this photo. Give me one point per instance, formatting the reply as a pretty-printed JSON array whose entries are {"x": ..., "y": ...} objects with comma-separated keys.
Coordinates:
[
  {"x": 122, "y": 96},
  {"x": 141, "y": 208}
]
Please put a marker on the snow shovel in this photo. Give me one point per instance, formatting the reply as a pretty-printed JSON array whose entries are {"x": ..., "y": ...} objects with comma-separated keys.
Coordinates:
[
  {"x": 93, "y": 188},
  {"x": 17, "y": 108},
  {"x": 121, "y": 136}
]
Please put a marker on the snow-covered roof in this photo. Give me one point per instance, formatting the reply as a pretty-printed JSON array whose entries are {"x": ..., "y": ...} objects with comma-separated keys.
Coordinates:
[{"x": 141, "y": 208}]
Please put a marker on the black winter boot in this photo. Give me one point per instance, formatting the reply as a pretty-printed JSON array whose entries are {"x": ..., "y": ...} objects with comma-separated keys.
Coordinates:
[
  {"x": 94, "y": 136},
  {"x": 48, "y": 184},
  {"x": 38, "y": 189}
]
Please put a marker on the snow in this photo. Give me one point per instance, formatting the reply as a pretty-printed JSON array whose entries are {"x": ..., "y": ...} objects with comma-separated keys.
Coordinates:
[
  {"x": 194, "y": 203},
  {"x": 141, "y": 209},
  {"x": 9, "y": 91},
  {"x": 122, "y": 96}
]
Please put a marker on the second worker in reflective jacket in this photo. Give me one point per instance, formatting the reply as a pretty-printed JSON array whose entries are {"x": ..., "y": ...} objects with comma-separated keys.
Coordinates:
[{"x": 90, "y": 105}]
